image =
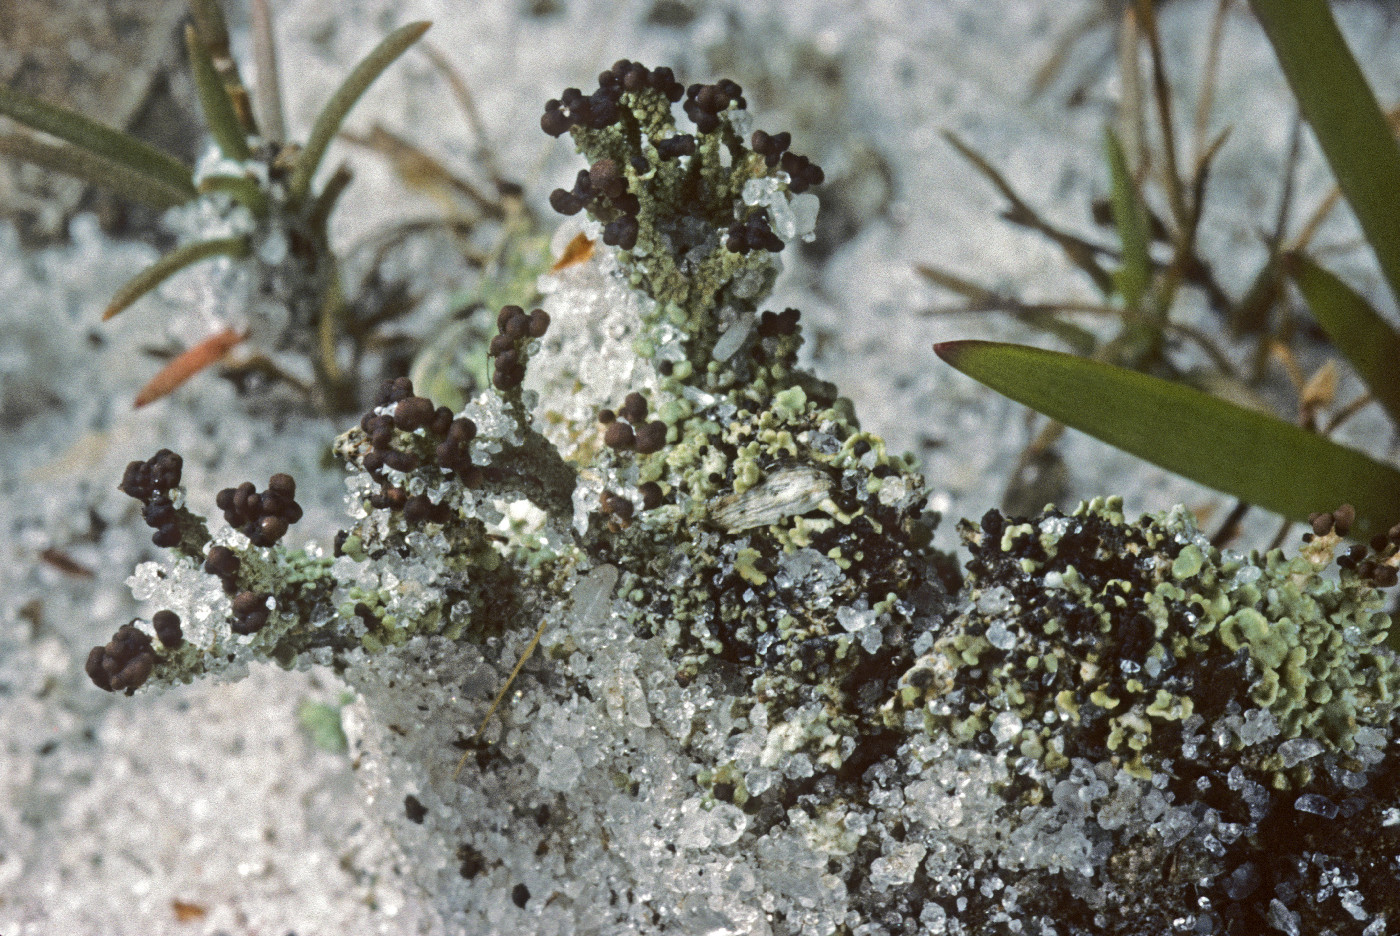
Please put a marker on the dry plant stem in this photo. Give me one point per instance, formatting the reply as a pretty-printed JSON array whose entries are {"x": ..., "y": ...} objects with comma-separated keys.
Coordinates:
[
  {"x": 462, "y": 94},
  {"x": 1046, "y": 73},
  {"x": 1346, "y": 412},
  {"x": 1186, "y": 212},
  {"x": 260, "y": 363},
  {"x": 417, "y": 169},
  {"x": 93, "y": 169},
  {"x": 1187, "y": 264},
  {"x": 1200, "y": 174},
  {"x": 268, "y": 87},
  {"x": 519, "y": 221},
  {"x": 338, "y": 389},
  {"x": 1230, "y": 527},
  {"x": 1280, "y": 536},
  {"x": 1280, "y": 350},
  {"x": 1290, "y": 183},
  {"x": 1048, "y": 435},
  {"x": 1319, "y": 215},
  {"x": 1016, "y": 307},
  {"x": 500, "y": 696},
  {"x": 1203, "y": 341},
  {"x": 328, "y": 122},
  {"x": 1334, "y": 195},
  {"x": 1252, "y": 313},
  {"x": 1210, "y": 71},
  {"x": 1080, "y": 252},
  {"x": 1161, "y": 90},
  {"x": 986, "y": 301}
]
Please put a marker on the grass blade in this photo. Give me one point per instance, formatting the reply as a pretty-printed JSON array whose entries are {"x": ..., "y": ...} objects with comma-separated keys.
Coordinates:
[
  {"x": 1344, "y": 115},
  {"x": 1130, "y": 217},
  {"x": 94, "y": 170},
  {"x": 119, "y": 147},
  {"x": 215, "y": 102},
  {"x": 170, "y": 264},
  {"x": 333, "y": 114},
  {"x": 1258, "y": 458},
  {"x": 269, "y": 85},
  {"x": 212, "y": 32},
  {"x": 1358, "y": 331}
]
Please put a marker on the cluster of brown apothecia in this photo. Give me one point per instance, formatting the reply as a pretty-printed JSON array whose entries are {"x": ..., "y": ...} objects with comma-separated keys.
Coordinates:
[
  {"x": 627, "y": 430},
  {"x": 777, "y": 324},
  {"x": 604, "y": 179},
  {"x": 603, "y": 187},
  {"x": 1375, "y": 561},
  {"x": 514, "y": 331},
  {"x": 250, "y": 611},
  {"x": 263, "y": 518},
  {"x": 126, "y": 661},
  {"x": 620, "y": 508},
  {"x": 599, "y": 110},
  {"x": 409, "y": 414},
  {"x": 151, "y": 482}
]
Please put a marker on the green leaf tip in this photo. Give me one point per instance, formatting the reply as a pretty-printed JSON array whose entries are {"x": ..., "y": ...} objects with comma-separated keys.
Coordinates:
[
  {"x": 169, "y": 265},
  {"x": 1258, "y": 458},
  {"x": 333, "y": 114}
]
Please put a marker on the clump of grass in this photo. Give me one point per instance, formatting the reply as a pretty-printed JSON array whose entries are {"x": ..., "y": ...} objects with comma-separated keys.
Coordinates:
[
  {"x": 271, "y": 179},
  {"x": 1127, "y": 390}
]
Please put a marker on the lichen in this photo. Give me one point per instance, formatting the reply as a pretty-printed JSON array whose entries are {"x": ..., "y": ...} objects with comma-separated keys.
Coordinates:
[{"x": 754, "y": 665}]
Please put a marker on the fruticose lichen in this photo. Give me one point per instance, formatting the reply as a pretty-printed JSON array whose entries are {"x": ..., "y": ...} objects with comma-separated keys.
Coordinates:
[{"x": 764, "y": 702}]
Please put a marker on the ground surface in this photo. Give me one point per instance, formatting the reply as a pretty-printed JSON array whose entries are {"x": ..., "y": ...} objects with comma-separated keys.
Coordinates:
[{"x": 210, "y": 809}]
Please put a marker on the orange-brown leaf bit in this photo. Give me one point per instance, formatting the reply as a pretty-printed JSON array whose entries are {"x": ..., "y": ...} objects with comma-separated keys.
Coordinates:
[
  {"x": 182, "y": 368},
  {"x": 579, "y": 250}
]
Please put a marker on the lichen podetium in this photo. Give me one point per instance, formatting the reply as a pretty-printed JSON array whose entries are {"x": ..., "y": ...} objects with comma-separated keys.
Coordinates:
[{"x": 765, "y": 702}]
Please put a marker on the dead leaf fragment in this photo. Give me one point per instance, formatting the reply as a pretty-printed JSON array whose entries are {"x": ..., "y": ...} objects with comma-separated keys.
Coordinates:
[
  {"x": 173, "y": 375},
  {"x": 579, "y": 250}
]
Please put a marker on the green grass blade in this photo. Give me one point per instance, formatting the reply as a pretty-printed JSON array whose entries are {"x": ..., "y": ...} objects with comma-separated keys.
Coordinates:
[
  {"x": 1342, "y": 110},
  {"x": 1130, "y": 217},
  {"x": 333, "y": 114},
  {"x": 94, "y": 170},
  {"x": 119, "y": 147},
  {"x": 1257, "y": 458},
  {"x": 214, "y": 101},
  {"x": 1358, "y": 331},
  {"x": 169, "y": 265}
]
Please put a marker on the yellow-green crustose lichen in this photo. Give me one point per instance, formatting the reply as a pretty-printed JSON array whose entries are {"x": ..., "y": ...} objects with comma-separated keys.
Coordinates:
[{"x": 1088, "y": 636}]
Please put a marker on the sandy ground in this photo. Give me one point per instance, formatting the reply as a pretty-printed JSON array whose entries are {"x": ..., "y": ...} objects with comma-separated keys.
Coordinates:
[{"x": 212, "y": 809}]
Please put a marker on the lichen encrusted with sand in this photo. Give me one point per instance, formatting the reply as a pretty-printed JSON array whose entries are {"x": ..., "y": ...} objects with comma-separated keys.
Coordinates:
[{"x": 763, "y": 702}]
